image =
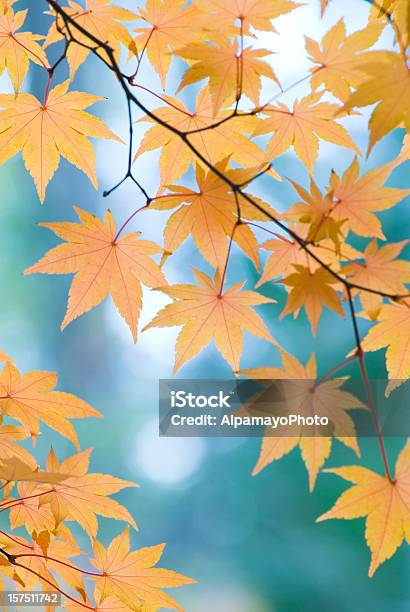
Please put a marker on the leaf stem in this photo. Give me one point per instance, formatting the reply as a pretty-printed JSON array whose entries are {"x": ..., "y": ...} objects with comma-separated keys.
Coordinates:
[{"x": 369, "y": 393}]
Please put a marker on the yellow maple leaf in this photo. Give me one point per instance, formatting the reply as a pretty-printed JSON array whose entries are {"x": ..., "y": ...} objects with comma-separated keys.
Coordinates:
[
  {"x": 82, "y": 495},
  {"x": 171, "y": 25},
  {"x": 206, "y": 313},
  {"x": 30, "y": 398},
  {"x": 226, "y": 140},
  {"x": 45, "y": 131},
  {"x": 380, "y": 271},
  {"x": 311, "y": 291},
  {"x": 392, "y": 331},
  {"x": 305, "y": 396},
  {"x": 230, "y": 71},
  {"x": 102, "y": 263},
  {"x": 385, "y": 504},
  {"x": 209, "y": 215},
  {"x": 387, "y": 83},
  {"x": 17, "y": 49},
  {"x": 101, "y": 19},
  {"x": 302, "y": 127},
  {"x": 131, "y": 577},
  {"x": 339, "y": 59}
]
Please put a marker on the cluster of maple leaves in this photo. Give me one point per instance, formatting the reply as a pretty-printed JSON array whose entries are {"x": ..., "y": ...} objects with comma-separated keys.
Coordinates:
[
  {"x": 44, "y": 501},
  {"x": 310, "y": 250}
]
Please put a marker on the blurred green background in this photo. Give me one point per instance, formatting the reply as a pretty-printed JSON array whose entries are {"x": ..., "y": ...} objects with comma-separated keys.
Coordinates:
[{"x": 252, "y": 543}]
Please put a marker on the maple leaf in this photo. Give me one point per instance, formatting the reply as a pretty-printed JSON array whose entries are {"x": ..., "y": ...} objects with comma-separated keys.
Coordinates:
[
  {"x": 4, "y": 356},
  {"x": 13, "y": 469},
  {"x": 27, "y": 512},
  {"x": 305, "y": 395},
  {"x": 315, "y": 212},
  {"x": 102, "y": 263},
  {"x": 111, "y": 603},
  {"x": 171, "y": 24},
  {"x": 219, "y": 61},
  {"x": 399, "y": 11},
  {"x": 101, "y": 19},
  {"x": 302, "y": 127},
  {"x": 17, "y": 49},
  {"x": 255, "y": 14},
  {"x": 46, "y": 131},
  {"x": 339, "y": 60},
  {"x": 33, "y": 565},
  {"x": 226, "y": 140},
  {"x": 210, "y": 215},
  {"x": 387, "y": 84},
  {"x": 286, "y": 253},
  {"x": 312, "y": 291},
  {"x": 392, "y": 331},
  {"x": 380, "y": 271},
  {"x": 130, "y": 576},
  {"x": 82, "y": 496},
  {"x": 356, "y": 198},
  {"x": 350, "y": 202},
  {"x": 385, "y": 504},
  {"x": 207, "y": 313},
  {"x": 9, "y": 450},
  {"x": 30, "y": 398}
]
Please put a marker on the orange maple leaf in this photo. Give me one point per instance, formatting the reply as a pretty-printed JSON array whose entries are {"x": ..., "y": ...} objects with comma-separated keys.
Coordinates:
[
  {"x": 257, "y": 14},
  {"x": 18, "y": 49},
  {"x": 101, "y": 19},
  {"x": 102, "y": 263},
  {"x": 306, "y": 396},
  {"x": 339, "y": 59},
  {"x": 350, "y": 202},
  {"x": 44, "y": 132},
  {"x": 387, "y": 84},
  {"x": 226, "y": 140},
  {"x": 210, "y": 215},
  {"x": 302, "y": 127},
  {"x": 392, "y": 331},
  {"x": 314, "y": 213},
  {"x": 131, "y": 577},
  {"x": 286, "y": 253},
  {"x": 312, "y": 291},
  {"x": 32, "y": 562},
  {"x": 380, "y": 271},
  {"x": 385, "y": 504},
  {"x": 82, "y": 495},
  {"x": 171, "y": 24},
  {"x": 220, "y": 62},
  {"x": 30, "y": 399},
  {"x": 9, "y": 434},
  {"x": 207, "y": 313}
]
